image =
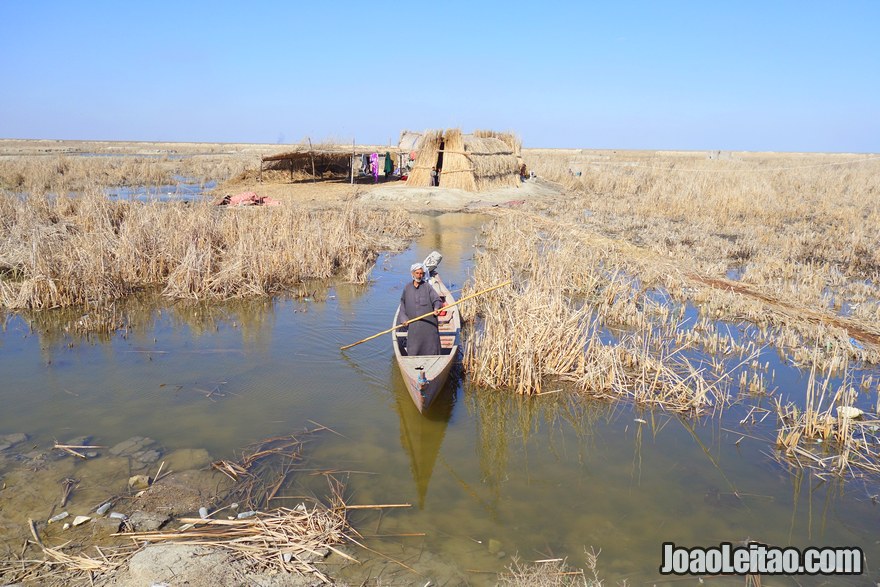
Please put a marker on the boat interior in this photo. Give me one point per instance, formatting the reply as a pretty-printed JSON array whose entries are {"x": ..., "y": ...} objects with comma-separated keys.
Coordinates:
[{"x": 448, "y": 335}]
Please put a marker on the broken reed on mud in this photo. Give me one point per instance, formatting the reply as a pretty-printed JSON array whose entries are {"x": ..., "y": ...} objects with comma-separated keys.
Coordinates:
[
  {"x": 75, "y": 250},
  {"x": 273, "y": 539}
]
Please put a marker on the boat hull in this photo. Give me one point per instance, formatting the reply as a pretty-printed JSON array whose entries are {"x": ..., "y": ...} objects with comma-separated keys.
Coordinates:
[{"x": 426, "y": 375}]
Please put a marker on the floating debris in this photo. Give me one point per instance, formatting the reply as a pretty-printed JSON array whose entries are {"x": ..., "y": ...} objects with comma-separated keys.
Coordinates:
[
  {"x": 102, "y": 509},
  {"x": 139, "y": 481},
  {"x": 58, "y": 517},
  {"x": 79, "y": 520},
  {"x": 67, "y": 487},
  {"x": 849, "y": 412}
]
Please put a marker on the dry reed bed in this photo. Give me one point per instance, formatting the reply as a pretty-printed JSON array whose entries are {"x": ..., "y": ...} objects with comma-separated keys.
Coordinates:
[
  {"x": 574, "y": 285},
  {"x": 781, "y": 319},
  {"x": 63, "y": 174},
  {"x": 69, "y": 250},
  {"x": 664, "y": 236},
  {"x": 555, "y": 323},
  {"x": 797, "y": 226}
]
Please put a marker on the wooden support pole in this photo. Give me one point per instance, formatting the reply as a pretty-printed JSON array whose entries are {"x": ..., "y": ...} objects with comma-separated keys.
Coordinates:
[
  {"x": 312, "y": 155},
  {"x": 352, "y": 161}
]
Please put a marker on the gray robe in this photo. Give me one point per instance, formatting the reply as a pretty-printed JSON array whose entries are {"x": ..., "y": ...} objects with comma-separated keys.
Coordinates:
[{"x": 423, "y": 336}]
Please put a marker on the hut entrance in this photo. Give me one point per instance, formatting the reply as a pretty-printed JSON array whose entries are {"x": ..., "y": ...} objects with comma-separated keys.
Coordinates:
[{"x": 440, "y": 159}]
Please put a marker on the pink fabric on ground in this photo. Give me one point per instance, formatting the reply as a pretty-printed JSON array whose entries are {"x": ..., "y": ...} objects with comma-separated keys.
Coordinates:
[{"x": 249, "y": 199}]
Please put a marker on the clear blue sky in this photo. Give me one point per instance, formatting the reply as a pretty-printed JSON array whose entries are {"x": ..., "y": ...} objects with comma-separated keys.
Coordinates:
[{"x": 772, "y": 75}]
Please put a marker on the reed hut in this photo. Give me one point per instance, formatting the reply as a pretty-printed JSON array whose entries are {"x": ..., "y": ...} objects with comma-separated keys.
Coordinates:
[
  {"x": 307, "y": 162},
  {"x": 481, "y": 161},
  {"x": 326, "y": 161}
]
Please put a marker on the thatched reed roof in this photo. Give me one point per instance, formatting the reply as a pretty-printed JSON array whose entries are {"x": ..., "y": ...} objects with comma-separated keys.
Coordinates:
[
  {"x": 321, "y": 160},
  {"x": 409, "y": 141},
  {"x": 480, "y": 161}
]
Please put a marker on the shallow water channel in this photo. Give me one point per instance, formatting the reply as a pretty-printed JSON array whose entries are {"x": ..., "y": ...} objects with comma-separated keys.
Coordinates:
[{"x": 489, "y": 474}]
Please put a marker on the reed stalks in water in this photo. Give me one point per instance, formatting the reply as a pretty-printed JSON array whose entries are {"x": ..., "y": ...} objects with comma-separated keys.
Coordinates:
[
  {"x": 125, "y": 165},
  {"x": 793, "y": 229},
  {"x": 610, "y": 316},
  {"x": 557, "y": 320},
  {"x": 825, "y": 435},
  {"x": 552, "y": 573}
]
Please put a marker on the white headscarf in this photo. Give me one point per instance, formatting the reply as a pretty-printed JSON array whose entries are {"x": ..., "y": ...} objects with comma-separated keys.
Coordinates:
[{"x": 421, "y": 266}]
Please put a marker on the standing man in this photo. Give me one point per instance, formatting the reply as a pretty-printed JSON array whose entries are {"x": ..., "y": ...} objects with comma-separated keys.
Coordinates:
[{"x": 418, "y": 298}]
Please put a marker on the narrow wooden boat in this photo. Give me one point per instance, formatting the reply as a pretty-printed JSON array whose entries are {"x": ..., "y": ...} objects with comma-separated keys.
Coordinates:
[{"x": 425, "y": 375}]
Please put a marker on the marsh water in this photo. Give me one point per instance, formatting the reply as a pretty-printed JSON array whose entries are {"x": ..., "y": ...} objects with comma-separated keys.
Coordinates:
[{"x": 488, "y": 474}]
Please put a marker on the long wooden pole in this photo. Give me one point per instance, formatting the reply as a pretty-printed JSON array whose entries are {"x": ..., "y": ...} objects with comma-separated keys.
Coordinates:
[
  {"x": 312, "y": 155},
  {"x": 348, "y": 346}
]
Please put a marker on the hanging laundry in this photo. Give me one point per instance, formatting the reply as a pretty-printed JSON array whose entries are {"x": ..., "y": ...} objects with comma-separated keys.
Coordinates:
[{"x": 374, "y": 166}]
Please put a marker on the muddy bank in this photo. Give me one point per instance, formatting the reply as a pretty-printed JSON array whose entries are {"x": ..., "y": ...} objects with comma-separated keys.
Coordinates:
[
  {"x": 394, "y": 194},
  {"x": 128, "y": 514}
]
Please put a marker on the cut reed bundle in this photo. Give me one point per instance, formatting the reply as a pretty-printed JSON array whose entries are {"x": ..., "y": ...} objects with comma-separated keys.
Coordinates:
[
  {"x": 283, "y": 540},
  {"x": 427, "y": 149}
]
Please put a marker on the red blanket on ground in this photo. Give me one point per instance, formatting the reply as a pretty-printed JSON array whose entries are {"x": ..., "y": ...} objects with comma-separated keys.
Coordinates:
[{"x": 248, "y": 199}]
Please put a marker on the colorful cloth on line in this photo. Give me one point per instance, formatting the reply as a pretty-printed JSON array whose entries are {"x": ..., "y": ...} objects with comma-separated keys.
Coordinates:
[{"x": 374, "y": 165}]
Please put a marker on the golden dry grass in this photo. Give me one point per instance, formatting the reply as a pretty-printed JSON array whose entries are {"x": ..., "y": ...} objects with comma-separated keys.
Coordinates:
[
  {"x": 779, "y": 247},
  {"x": 795, "y": 223},
  {"x": 67, "y": 250},
  {"x": 556, "y": 322}
]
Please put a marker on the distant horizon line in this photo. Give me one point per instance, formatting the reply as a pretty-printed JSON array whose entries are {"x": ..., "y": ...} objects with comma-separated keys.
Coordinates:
[{"x": 276, "y": 144}]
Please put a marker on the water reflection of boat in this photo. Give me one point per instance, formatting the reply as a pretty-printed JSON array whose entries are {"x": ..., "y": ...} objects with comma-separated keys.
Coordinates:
[
  {"x": 421, "y": 434},
  {"x": 425, "y": 375}
]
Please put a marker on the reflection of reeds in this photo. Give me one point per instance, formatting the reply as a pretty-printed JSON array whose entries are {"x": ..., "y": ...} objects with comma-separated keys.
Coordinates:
[{"x": 502, "y": 419}]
